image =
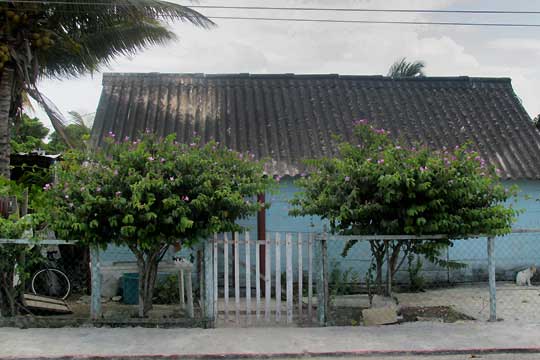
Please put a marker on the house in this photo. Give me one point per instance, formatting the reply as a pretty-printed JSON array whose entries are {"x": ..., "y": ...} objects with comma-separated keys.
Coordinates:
[{"x": 289, "y": 118}]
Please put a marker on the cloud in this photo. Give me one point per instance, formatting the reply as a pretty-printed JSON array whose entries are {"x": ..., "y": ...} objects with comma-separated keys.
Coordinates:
[
  {"x": 516, "y": 44},
  {"x": 282, "y": 47}
]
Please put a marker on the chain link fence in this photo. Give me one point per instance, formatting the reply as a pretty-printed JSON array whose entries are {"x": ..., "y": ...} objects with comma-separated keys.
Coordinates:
[
  {"x": 44, "y": 284},
  {"x": 49, "y": 283},
  {"x": 451, "y": 286}
]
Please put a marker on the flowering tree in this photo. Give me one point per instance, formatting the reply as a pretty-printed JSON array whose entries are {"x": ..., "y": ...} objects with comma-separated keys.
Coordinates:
[
  {"x": 150, "y": 193},
  {"x": 17, "y": 259},
  {"x": 383, "y": 187}
]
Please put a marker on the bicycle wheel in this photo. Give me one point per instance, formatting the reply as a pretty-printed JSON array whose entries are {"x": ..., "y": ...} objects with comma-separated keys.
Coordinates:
[{"x": 52, "y": 283}]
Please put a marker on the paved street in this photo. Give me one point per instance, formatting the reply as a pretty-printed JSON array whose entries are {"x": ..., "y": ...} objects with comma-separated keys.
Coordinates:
[
  {"x": 451, "y": 357},
  {"x": 423, "y": 338}
]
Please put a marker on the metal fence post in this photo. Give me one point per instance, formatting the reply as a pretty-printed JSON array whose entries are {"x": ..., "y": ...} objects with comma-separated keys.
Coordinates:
[
  {"x": 209, "y": 310},
  {"x": 95, "y": 307},
  {"x": 321, "y": 248},
  {"x": 388, "y": 269},
  {"x": 492, "y": 280}
]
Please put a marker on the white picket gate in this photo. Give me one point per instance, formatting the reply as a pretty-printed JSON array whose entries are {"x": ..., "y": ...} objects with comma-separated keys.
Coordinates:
[{"x": 258, "y": 282}]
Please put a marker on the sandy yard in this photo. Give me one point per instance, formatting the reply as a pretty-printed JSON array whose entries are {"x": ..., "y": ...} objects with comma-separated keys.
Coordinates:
[{"x": 514, "y": 303}]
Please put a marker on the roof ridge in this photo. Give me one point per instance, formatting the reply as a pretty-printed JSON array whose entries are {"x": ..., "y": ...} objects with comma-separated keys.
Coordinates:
[{"x": 461, "y": 78}]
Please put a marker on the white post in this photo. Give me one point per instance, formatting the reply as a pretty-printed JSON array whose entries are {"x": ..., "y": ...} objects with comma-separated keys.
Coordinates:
[
  {"x": 181, "y": 290},
  {"x": 278, "y": 277},
  {"x": 95, "y": 309},
  {"x": 237, "y": 277},
  {"x": 209, "y": 310},
  {"x": 226, "y": 276},
  {"x": 310, "y": 277},
  {"x": 248, "y": 276},
  {"x": 189, "y": 293},
  {"x": 257, "y": 279},
  {"x": 216, "y": 290},
  {"x": 289, "y": 277},
  {"x": 300, "y": 277},
  {"x": 492, "y": 280},
  {"x": 267, "y": 280}
]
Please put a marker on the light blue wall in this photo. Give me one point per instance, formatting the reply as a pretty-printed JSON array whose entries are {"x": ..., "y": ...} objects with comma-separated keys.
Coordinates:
[
  {"x": 278, "y": 219},
  {"x": 513, "y": 252}
]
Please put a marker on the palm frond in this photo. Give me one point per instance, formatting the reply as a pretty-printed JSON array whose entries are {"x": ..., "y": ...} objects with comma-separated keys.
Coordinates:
[
  {"x": 124, "y": 38},
  {"x": 55, "y": 116},
  {"x": 404, "y": 69},
  {"x": 135, "y": 9}
]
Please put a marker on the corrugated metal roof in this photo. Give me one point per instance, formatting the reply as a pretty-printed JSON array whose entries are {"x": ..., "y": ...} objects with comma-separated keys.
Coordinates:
[{"x": 290, "y": 117}]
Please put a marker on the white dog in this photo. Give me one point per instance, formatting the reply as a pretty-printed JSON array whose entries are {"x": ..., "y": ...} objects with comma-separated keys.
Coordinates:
[{"x": 524, "y": 276}]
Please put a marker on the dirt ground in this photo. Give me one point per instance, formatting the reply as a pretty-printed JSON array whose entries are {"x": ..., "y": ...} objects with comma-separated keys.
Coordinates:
[
  {"x": 455, "y": 304},
  {"x": 514, "y": 303}
]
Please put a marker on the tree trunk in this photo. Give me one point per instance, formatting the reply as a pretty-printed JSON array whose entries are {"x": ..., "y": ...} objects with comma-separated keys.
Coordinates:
[
  {"x": 6, "y": 86},
  {"x": 394, "y": 258},
  {"x": 148, "y": 268},
  {"x": 7, "y": 294},
  {"x": 378, "y": 252}
]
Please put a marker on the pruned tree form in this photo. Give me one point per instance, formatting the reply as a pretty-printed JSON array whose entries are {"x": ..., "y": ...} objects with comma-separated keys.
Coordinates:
[
  {"x": 384, "y": 187},
  {"x": 150, "y": 193}
]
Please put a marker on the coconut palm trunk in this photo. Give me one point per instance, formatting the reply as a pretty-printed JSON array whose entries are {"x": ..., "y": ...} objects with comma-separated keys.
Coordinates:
[{"x": 6, "y": 86}]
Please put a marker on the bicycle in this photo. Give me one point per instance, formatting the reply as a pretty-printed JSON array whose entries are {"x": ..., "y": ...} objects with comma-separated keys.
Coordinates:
[{"x": 51, "y": 281}]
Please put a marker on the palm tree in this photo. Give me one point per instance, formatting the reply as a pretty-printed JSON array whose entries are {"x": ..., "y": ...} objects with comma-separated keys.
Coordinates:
[
  {"x": 55, "y": 39},
  {"x": 405, "y": 69},
  {"x": 77, "y": 132}
]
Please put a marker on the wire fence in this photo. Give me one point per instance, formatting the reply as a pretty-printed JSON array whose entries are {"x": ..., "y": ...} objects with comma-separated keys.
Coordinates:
[
  {"x": 52, "y": 284},
  {"x": 57, "y": 283},
  {"x": 452, "y": 286}
]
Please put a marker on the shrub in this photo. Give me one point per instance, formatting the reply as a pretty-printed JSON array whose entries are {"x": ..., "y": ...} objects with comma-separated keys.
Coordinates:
[{"x": 383, "y": 187}]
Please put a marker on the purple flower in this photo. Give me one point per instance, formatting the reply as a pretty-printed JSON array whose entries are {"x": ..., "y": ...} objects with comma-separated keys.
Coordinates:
[
  {"x": 126, "y": 138},
  {"x": 347, "y": 178},
  {"x": 111, "y": 134},
  {"x": 241, "y": 156},
  {"x": 398, "y": 147},
  {"x": 162, "y": 160},
  {"x": 278, "y": 178},
  {"x": 150, "y": 158},
  {"x": 115, "y": 172},
  {"x": 380, "y": 161},
  {"x": 98, "y": 189},
  {"x": 171, "y": 178},
  {"x": 118, "y": 193},
  {"x": 47, "y": 187},
  {"x": 185, "y": 198},
  {"x": 360, "y": 122},
  {"x": 192, "y": 144},
  {"x": 303, "y": 175},
  {"x": 423, "y": 168}
]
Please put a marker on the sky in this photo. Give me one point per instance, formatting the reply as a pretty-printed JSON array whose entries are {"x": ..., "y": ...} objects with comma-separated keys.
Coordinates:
[{"x": 241, "y": 46}]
